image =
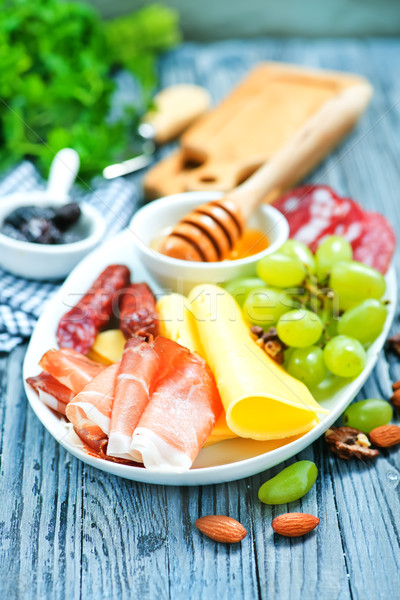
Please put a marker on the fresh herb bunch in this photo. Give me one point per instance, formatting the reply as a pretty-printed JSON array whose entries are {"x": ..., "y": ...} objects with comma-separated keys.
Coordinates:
[{"x": 56, "y": 86}]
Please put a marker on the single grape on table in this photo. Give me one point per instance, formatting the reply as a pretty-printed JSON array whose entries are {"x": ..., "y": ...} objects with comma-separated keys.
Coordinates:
[
  {"x": 290, "y": 484},
  {"x": 368, "y": 414}
]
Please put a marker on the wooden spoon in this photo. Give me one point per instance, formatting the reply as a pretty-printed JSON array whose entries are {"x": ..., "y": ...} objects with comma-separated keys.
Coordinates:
[{"x": 209, "y": 232}]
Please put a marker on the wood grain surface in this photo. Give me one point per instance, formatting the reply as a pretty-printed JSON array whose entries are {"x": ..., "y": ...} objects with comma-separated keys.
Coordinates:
[{"x": 70, "y": 531}]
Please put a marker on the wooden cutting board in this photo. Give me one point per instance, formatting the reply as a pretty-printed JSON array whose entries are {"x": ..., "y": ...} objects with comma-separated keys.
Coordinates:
[{"x": 224, "y": 147}]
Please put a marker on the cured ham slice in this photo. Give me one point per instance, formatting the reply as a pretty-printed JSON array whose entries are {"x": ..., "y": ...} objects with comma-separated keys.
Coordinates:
[
  {"x": 69, "y": 367},
  {"x": 97, "y": 450},
  {"x": 181, "y": 413},
  {"x": 138, "y": 371},
  {"x": 51, "y": 392},
  {"x": 90, "y": 410}
]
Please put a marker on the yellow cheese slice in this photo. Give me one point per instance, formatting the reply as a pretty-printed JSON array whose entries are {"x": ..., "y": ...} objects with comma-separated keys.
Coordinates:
[
  {"x": 221, "y": 432},
  {"x": 108, "y": 346},
  {"x": 261, "y": 400},
  {"x": 177, "y": 323}
]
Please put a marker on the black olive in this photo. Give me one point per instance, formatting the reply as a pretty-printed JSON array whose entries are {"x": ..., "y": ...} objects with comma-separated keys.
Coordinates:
[
  {"x": 13, "y": 233},
  {"x": 40, "y": 231},
  {"x": 67, "y": 215},
  {"x": 23, "y": 214},
  {"x": 17, "y": 217}
]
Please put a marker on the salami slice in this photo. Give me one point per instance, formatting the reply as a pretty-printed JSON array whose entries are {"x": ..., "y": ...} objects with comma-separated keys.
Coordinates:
[
  {"x": 138, "y": 314},
  {"x": 78, "y": 328},
  {"x": 315, "y": 212},
  {"x": 375, "y": 246}
]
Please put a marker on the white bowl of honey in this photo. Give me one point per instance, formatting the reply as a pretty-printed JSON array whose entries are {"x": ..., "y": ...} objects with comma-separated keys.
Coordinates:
[{"x": 266, "y": 231}]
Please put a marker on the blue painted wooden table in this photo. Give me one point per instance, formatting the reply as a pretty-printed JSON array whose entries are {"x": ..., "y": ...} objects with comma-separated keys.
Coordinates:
[{"x": 71, "y": 531}]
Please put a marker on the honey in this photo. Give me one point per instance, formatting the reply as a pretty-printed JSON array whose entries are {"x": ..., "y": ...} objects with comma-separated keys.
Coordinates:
[{"x": 251, "y": 242}]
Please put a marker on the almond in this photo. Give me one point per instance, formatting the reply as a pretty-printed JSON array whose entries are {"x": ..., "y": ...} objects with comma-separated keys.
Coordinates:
[
  {"x": 395, "y": 399},
  {"x": 294, "y": 524},
  {"x": 221, "y": 528},
  {"x": 385, "y": 436},
  {"x": 396, "y": 386}
]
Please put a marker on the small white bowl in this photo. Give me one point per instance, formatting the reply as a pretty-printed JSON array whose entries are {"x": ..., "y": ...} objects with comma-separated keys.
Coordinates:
[
  {"x": 47, "y": 261},
  {"x": 181, "y": 275}
]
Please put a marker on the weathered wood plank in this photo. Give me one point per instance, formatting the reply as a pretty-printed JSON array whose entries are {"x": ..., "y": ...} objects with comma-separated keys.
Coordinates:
[
  {"x": 38, "y": 509},
  {"x": 70, "y": 531}
]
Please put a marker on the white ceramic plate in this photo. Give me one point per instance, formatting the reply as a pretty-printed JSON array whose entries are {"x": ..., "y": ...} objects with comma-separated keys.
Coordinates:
[{"x": 225, "y": 461}]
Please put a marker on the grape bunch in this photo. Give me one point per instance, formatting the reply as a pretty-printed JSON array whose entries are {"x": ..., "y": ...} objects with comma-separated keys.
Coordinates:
[{"x": 326, "y": 308}]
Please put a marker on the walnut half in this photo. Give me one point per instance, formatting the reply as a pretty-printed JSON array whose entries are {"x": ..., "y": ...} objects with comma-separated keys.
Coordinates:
[
  {"x": 347, "y": 442},
  {"x": 269, "y": 342},
  {"x": 394, "y": 343}
]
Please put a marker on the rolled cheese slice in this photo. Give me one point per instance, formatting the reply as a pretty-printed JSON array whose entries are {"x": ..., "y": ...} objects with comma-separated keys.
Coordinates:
[
  {"x": 261, "y": 400},
  {"x": 221, "y": 432},
  {"x": 177, "y": 323}
]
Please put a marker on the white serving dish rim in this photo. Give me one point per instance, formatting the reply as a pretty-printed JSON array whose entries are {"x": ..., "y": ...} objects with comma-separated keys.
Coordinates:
[{"x": 115, "y": 250}]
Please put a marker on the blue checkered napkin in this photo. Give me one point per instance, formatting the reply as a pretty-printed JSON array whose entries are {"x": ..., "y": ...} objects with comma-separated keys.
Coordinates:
[{"x": 22, "y": 300}]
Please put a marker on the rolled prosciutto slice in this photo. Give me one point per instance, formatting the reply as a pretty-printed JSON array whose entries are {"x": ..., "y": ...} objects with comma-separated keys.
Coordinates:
[
  {"x": 90, "y": 410},
  {"x": 138, "y": 371},
  {"x": 181, "y": 413},
  {"x": 51, "y": 392},
  {"x": 71, "y": 368}
]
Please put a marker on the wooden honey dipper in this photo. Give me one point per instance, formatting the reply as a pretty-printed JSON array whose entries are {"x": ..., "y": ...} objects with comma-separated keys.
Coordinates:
[{"x": 210, "y": 231}]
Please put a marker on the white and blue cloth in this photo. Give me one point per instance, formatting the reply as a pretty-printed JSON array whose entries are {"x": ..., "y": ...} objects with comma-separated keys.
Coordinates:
[{"x": 22, "y": 300}]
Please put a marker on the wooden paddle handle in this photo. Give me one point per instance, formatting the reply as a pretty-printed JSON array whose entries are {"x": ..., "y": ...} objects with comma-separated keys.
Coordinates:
[{"x": 311, "y": 143}]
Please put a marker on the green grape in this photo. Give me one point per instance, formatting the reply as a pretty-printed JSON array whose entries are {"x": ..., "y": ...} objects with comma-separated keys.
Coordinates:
[
  {"x": 299, "y": 328},
  {"x": 330, "y": 321},
  {"x": 281, "y": 271},
  {"x": 344, "y": 356},
  {"x": 332, "y": 250},
  {"x": 363, "y": 322},
  {"x": 354, "y": 282},
  {"x": 264, "y": 306},
  {"x": 240, "y": 287},
  {"x": 301, "y": 251},
  {"x": 290, "y": 484},
  {"x": 368, "y": 414},
  {"x": 308, "y": 365},
  {"x": 287, "y": 355}
]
